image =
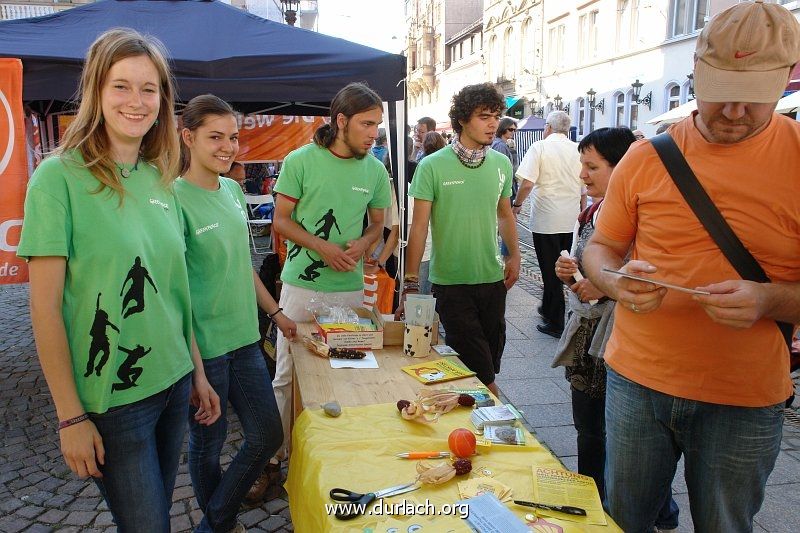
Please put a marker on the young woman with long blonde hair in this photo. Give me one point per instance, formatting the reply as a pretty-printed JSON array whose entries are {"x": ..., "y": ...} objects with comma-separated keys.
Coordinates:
[{"x": 109, "y": 290}]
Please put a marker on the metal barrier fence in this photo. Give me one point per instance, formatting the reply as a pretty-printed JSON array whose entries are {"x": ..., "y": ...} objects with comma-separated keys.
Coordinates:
[{"x": 525, "y": 138}]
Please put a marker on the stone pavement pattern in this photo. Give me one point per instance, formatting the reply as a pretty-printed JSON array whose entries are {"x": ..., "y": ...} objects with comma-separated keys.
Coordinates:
[{"x": 38, "y": 493}]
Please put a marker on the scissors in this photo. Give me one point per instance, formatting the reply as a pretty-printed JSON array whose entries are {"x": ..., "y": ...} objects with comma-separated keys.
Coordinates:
[{"x": 360, "y": 501}]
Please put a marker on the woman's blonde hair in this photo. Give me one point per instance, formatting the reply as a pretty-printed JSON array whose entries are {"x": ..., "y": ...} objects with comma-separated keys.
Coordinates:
[{"x": 87, "y": 134}]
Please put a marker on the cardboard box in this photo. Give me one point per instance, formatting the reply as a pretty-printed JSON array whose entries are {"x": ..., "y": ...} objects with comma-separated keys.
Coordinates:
[
  {"x": 393, "y": 331},
  {"x": 360, "y": 340}
]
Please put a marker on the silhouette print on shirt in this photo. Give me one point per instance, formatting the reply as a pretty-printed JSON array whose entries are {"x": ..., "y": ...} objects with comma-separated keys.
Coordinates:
[
  {"x": 137, "y": 274},
  {"x": 311, "y": 273},
  {"x": 328, "y": 221},
  {"x": 295, "y": 249},
  {"x": 99, "y": 340},
  {"x": 127, "y": 373}
]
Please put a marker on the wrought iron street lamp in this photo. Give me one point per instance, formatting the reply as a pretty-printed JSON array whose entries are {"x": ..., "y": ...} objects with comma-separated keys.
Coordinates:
[
  {"x": 590, "y": 97},
  {"x": 290, "y": 8},
  {"x": 557, "y": 100},
  {"x": 536, "y": 111},
  {"x": 637, "y": 91}
]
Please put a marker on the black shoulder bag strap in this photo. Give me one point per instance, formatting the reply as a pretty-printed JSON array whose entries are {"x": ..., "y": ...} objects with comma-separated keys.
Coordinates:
[{"x": 708, "y": 214}]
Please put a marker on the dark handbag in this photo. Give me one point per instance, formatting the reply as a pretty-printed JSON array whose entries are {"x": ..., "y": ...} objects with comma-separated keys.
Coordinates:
[{"x": 708, "y": 214}]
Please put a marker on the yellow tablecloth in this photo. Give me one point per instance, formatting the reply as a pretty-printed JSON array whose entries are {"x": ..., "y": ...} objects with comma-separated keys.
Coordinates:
[{"x": 356, "y": 452}]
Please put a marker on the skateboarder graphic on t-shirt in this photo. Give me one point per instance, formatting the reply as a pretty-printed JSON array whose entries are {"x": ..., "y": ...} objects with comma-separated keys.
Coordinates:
[
  {"x": 295, "y": 249},
  {"x": 99, "y": 340},
  {"x": 127, "y": 373},
  {"x": 328, "y": 222},
  {"x": 311, "y": 272},
  {"x": 137, "y": 274}
]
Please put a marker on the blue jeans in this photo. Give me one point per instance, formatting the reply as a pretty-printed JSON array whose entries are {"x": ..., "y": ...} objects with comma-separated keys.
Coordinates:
[
  {"x": 142, "y": 442},
  {"x": 240, "y": 376},
  {"x": 729, "y": 453}
]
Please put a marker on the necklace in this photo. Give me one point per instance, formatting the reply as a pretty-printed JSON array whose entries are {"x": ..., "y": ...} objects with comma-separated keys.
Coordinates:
[
  {"x": 126, "y": 172},
  {"x": 472, "y": 166}
]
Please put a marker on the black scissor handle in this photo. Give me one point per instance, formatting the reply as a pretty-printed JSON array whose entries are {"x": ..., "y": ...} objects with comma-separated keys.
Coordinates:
[
  {"x": 357, "y": 506},
  {"x": 344, "y": 495}
]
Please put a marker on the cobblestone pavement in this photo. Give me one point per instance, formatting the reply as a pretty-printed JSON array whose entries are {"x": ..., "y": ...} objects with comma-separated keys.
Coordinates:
[{"x": 38, "y": 493}]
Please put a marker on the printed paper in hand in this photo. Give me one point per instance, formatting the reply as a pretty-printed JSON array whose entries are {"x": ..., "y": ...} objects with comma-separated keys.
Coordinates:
[
  {"x": 367, "y": 362},
  {"x": 562, "y": 487}
]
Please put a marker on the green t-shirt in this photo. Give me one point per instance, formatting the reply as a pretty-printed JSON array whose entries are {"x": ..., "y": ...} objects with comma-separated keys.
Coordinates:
[
  {"x": 464, "y": 246},
  {"x": 224, "y": 311},
  {"x": 126, "y": 301},
  {"x": 332, "y": 195}
]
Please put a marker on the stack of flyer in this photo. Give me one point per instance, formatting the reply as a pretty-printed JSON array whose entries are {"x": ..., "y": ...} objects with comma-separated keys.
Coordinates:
[{"x": 497, "y": 415}]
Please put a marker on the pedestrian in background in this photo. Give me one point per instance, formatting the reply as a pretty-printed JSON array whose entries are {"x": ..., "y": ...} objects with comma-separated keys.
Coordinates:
[
  {"x": 432, "y": 142},
  {"x": 101, "y": 219},
  {"x": 550, "y": 171},
  {"x": 705, "y": 377},
  {"x": 424, "y": 125},
  {"x": 505, "y": 132},
  {"x": 225, "y": 293}
]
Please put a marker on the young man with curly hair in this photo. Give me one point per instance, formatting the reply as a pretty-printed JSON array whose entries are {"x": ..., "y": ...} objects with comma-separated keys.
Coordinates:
[{"x": 463, "y": 191}]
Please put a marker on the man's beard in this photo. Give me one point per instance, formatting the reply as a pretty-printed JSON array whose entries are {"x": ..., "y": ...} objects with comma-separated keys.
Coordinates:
[{"x": 357, "y": 153}]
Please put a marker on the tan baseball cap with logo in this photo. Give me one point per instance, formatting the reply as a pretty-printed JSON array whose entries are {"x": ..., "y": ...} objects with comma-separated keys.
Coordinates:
[{"x": 745, "y": 54}]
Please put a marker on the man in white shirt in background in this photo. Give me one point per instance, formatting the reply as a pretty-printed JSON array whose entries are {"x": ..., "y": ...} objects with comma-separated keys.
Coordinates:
[{"x": 551, "y": 170}]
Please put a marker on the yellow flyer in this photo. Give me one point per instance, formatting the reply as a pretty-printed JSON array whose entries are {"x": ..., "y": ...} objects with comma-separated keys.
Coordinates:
[
  {"x": 561, "y": 487},
  {"x": 437, "y": 371}
]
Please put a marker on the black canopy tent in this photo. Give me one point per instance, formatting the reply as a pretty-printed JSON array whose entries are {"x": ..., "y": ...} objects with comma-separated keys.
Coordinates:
[
  {"x": 257, "y": 65},
  {"x": 253, "y": 63}
]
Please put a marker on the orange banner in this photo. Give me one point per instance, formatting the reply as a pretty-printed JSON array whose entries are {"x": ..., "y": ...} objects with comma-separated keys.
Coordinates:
[
  {"x": 13, "y": 171},
  {"x": 272, "y": 137}
]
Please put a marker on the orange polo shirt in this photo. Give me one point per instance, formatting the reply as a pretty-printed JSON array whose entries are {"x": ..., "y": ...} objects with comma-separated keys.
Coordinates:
[{"x": 678, "y": 349}]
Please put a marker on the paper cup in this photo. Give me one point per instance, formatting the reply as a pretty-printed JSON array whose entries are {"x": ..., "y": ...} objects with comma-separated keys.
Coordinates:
[{"x": 417, "y": 340}]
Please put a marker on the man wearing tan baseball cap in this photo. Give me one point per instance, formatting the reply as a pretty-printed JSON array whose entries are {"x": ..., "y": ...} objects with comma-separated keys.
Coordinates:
[{"x": 705, "y": 376}]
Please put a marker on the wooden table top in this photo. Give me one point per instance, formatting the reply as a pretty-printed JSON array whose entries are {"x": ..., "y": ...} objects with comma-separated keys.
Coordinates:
[{"x": 318, "y": 383}]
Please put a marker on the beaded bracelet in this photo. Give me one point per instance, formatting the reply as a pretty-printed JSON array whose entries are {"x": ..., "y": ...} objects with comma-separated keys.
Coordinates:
[
  {"x": 272, "y": 315},
  {"x": 411, "y": 278},
  {"x": 72, "y": 421},
  {"x": 411, "y": 286}
]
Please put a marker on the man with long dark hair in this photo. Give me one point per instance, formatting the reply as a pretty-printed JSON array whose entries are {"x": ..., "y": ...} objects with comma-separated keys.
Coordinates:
[
  {"x": 329, "y": 183},
  {"x": 469, "y": 278}
]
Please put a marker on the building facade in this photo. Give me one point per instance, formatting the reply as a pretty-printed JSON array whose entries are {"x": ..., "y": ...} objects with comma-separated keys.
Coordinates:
[
  {"x": 605, "y": 62},
  {"x": 21, "y": 9},
  {"x": 443, "y": 47}
]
